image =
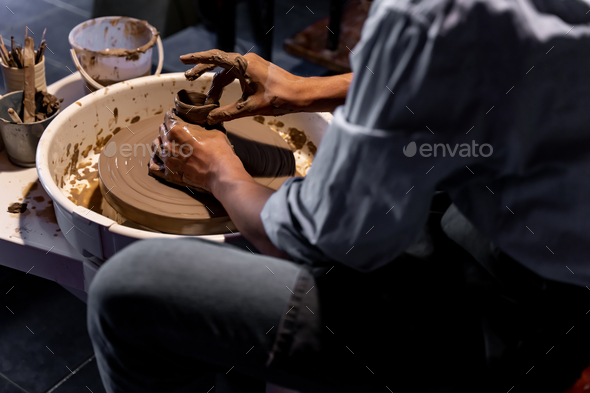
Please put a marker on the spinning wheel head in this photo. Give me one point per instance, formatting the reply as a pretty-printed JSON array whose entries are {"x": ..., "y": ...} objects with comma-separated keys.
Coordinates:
[{"x": 127, "y": 186}]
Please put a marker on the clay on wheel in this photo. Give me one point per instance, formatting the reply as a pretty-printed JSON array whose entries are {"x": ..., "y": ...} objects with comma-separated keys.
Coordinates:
[
  {"x": 190, "y": 106},
  {"x": 129, "y": 189}
]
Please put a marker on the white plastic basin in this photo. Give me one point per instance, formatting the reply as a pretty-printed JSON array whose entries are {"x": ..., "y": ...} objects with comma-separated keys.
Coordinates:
[{"x": 93, "y": 234}]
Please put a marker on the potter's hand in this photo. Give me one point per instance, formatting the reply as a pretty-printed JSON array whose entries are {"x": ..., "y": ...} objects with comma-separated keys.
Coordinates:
[
  {"x": 266, "y": 88},
  {"x": 189, "y": 155}
]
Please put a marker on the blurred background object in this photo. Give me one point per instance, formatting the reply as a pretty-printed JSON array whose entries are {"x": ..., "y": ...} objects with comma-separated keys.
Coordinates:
[
  {"x": 329, "y": 41},
  {"x": 168, "y": 16},
  {"x": 282, "y": 30}
]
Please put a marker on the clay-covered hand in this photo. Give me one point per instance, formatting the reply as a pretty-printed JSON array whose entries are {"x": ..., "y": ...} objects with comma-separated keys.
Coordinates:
[
  {"x": 266, "y": 89},
  {"x": 189, "y": 155}
]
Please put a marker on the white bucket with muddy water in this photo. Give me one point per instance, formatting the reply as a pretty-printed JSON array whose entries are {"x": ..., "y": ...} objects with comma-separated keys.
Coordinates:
[{"x": 112, "y": 49}]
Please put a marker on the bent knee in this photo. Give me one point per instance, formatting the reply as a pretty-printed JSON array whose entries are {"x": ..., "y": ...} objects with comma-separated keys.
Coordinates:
[{"x": 123, "y": 279}]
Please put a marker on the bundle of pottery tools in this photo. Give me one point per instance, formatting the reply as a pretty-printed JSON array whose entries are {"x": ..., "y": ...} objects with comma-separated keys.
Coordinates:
[
  {"x": 15, "y": 56},
  {"x": 37, "y": 105},
  {"x": 26, "y": 111}
]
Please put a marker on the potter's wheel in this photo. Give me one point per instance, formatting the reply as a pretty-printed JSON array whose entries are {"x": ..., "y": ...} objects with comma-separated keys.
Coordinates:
[{"x": 133, "y": 193}]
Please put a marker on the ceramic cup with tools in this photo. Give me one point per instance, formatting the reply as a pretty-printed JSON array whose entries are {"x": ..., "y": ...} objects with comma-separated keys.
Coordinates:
[
  {"x": 20, "y": 139},
  {"x": 14, "y": 78}
]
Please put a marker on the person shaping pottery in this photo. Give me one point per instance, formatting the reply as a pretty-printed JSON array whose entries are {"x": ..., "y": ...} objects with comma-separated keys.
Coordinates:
[
  {"x": 438, "y": 243},
  {"x": 259, "y": 159},
  {"x": 169, "y": 159}
]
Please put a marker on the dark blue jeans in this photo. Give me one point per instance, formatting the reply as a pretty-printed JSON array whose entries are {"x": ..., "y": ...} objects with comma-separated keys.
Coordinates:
[
  {"x": 189, "y": 315},
  {"x": 186, "y": 315}
]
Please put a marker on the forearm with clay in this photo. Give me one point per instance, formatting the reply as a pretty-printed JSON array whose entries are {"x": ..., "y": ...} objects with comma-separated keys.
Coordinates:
[
  {"x": 268, "y": 90},
  {"x": 243, "y": 199}
]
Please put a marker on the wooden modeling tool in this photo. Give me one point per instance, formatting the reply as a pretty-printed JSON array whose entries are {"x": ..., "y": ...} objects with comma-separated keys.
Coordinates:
[
  {"x": 29, "y": 90},
  {"x": 14, "y": 116}
]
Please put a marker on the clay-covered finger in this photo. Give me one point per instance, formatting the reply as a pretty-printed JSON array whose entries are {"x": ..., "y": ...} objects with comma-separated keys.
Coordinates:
[
  {"x": 156, "y": 160},
  {"x": 212, "y": 56},
  {"x": 156, "y": 168},
  {"x": 170, "y": 121},
  {"x": 156, "y": 144},
  {"x": 163, "y": 134},
  {"x": 163, "y": 147},
  {"x": 220, "y": 81},
  {"x": 233, "y": 62},
  {"x": 198, "y": 70},
  {"x": 229, "y": 112}
]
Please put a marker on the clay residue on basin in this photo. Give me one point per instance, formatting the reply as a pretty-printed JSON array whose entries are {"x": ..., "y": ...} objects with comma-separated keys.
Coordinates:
[
  {"x": 108, "y": 82},
  {"x": 101, "y": 142},
  {"x": 296, "y": 138},
  {"x": 79, "y": 178},
  {"x": 17, "y": 207},
  {"x": 303, "y": 148},
  {"x": 276, "y": 123},
  {"x": 84, "y": 189}
]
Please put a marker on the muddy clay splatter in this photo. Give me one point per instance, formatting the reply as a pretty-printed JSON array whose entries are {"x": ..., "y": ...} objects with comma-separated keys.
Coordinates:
[
  {"x": 17, "y": 208},
  {"x": 89, "y": 197},
  {"x": 296, "y": 138},
  {"x": 83, "y": 194},
  {"x": 276, "y": 123},
  {"x": 86, "y": 151},
  {"x": 100, "y": 143},
  {"x": 74, "y": 160}
]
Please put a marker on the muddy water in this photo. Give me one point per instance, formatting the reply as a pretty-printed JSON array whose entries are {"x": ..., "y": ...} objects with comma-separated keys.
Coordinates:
[{"x": 87, "y": 194}]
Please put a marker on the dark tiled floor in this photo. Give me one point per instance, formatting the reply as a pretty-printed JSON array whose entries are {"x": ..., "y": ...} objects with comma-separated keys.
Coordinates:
[
  {"x": 7, "y": 386},
  {"x": 43, "y": 334},
  {"x": 85, "y": 379}
]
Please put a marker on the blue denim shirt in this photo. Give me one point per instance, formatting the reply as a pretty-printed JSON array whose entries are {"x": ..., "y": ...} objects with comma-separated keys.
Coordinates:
[{"x": 488, "y": 100}]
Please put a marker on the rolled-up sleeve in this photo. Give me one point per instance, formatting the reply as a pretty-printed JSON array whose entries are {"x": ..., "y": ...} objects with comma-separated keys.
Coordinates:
[
  {"x": 355, "y": 206},
  {"x": 363, "y": 201}
]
